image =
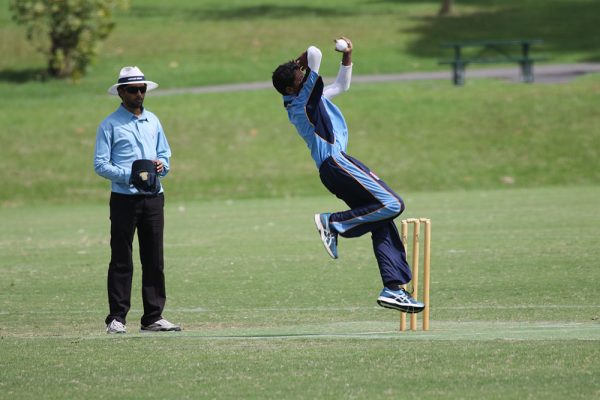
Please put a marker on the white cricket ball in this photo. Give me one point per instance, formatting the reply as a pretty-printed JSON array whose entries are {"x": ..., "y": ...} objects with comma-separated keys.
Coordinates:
[{"x": 341, "y": 45}]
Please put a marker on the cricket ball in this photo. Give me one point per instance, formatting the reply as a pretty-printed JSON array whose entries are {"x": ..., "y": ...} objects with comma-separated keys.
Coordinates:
[{"x": 341, "y": 45}]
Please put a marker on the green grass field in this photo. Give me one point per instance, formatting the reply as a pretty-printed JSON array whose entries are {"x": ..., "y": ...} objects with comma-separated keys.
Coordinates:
[
  {"x": 508, "y": 173},
  {"x": 267, "y": 314}
]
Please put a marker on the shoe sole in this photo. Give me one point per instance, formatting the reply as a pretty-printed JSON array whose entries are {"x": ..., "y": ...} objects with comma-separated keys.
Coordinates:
[
  {"x": 115, "y": 332},
  {"x": 398, "y": 307},
  {"x": 178, "y": 329},
  {"x": 320, "y": 229}
]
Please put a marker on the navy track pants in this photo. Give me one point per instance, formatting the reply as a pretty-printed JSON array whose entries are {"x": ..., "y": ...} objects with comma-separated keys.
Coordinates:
[{"x": 373, "y": 207}]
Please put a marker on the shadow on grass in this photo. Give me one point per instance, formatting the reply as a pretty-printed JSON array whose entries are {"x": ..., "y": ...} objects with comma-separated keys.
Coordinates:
[
  {"x": 566, "y": 27},
  {"x": 244, "y": 12},
  {"x": 23, "y": 75}
]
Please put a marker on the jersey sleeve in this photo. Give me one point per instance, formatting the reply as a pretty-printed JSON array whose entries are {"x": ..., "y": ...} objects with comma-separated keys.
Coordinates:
[
  {"x": 341, "y": 83},
  {"x": 314, "y": 57}
]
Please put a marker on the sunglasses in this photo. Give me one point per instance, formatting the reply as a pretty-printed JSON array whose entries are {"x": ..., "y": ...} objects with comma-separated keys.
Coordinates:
[{"x": 135, "y": 89}]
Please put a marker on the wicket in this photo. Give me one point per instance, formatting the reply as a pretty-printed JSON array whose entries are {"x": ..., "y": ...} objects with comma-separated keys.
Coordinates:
[{"x": 416, "y": 223}]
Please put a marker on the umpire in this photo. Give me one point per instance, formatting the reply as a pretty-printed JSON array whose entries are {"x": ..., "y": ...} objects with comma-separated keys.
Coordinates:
[{"x": 133, "y": 153}]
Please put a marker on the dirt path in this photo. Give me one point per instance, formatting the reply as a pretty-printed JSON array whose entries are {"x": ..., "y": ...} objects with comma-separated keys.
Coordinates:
[{"x": 553, "y": 73}]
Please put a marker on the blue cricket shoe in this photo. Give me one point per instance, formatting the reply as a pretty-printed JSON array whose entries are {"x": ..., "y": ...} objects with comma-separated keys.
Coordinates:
[
  {"x": 328, "y": 237},
  {"x": 399, "y": 300}
]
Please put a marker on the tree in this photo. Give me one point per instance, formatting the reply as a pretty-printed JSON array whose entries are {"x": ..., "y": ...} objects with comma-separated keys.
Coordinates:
[
  {"x": 446, "y": 7},
  {"x": 68, "y": 32}
]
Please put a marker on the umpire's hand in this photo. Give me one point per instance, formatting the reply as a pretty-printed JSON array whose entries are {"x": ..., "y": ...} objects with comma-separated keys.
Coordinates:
[{"x": 159, "y": 167}]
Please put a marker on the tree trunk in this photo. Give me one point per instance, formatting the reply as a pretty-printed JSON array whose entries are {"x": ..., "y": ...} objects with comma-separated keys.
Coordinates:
[
  {"x": 60, "y": 64},
  {"x": 446, "y": 7}
]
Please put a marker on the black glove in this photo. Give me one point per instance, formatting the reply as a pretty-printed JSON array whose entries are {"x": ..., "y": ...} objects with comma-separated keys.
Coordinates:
[{"x": 143, "y": 177}]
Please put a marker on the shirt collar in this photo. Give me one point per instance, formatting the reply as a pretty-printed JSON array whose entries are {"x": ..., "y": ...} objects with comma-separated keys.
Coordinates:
[
  {"x": 288, "y": 99},
  {"x": 141, "y": 117}
]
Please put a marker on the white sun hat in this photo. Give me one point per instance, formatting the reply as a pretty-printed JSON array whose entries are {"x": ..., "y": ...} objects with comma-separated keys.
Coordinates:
[{"x": 129, "y": 75}]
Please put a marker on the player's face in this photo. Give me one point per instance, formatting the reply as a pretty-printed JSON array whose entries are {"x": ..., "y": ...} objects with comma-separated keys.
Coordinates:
[
  {"x": 133, "y": 95},
  {"x": 298, "y": 78}
]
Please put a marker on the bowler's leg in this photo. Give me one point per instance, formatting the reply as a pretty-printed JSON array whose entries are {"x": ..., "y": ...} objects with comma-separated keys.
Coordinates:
[
  {"x": 373, "y": 203},
  {"x": 395, "y": 272},
  {"x": 391, "y": 255}
]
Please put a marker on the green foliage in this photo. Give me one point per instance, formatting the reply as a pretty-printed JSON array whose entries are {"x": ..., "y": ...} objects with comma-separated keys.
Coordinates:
[{"x": 68, "y": 32}]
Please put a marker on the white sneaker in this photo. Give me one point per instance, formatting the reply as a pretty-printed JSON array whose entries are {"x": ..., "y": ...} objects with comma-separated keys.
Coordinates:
[
  {"x": 162, "y": 325},
  {"x": 115, "y": 327}
]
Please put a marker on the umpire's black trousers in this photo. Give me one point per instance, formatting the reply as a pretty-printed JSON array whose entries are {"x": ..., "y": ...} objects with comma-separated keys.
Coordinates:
[{"x": 146, "y": 214}]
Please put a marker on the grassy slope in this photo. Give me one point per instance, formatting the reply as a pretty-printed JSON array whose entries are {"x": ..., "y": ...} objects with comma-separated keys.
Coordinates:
[
  {"x": 417, "y": 136},
  {"x": 428, "y": 135}
]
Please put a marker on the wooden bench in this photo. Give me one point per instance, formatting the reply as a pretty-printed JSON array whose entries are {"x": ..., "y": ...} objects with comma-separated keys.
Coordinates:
[{"x": 492, "y": 52}]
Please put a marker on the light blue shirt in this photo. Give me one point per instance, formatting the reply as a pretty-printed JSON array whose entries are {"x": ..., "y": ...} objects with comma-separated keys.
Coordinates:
[
  {"x": 123, "y": 138},
  {"x": 318, "y": 121}
]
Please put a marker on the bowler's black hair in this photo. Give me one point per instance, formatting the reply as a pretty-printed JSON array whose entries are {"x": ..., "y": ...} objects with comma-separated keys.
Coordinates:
[{"x": 284, "y": 76}]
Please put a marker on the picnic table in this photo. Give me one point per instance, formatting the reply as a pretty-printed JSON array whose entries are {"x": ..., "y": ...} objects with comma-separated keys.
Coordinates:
[{"x": 492, "y": 52}]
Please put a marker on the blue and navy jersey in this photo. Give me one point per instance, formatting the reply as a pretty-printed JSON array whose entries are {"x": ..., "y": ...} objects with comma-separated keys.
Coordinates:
[{"x": 318, "y": 121}]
